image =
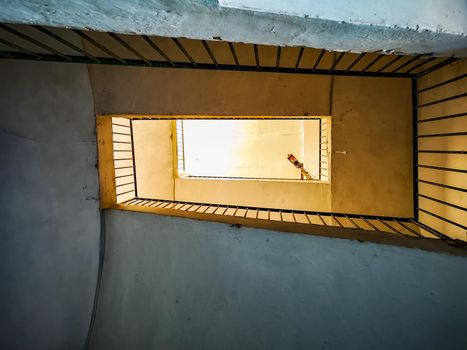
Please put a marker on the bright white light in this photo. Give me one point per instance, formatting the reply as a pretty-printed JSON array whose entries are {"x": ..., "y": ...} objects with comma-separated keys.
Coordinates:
[{"x": 249, "y": 148}]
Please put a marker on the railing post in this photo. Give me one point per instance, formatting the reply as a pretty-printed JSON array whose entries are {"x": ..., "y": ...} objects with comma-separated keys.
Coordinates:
[
  {"x": 319, "y": 146},
  {"x": 133, "y": 157},
  {"x": 415, "y": 147}
]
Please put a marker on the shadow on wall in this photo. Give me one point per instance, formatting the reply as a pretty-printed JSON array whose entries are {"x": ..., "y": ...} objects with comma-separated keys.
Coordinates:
[
  {"x": 176, "y": 283},
  {"x": 48, "y": 205}
]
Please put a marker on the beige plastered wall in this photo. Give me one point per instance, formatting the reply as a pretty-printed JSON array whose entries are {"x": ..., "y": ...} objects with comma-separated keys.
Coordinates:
[
  {"x": 451, "y": 143},
  {"x": 371, "y": 127},
  {"x": 372, "y": 142}
]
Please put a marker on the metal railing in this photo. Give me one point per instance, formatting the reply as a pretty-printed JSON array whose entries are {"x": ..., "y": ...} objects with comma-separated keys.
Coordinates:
[
  {"x": 440, "y": 153},
  {"x": 323, "y": 145},
  {"x": 40, "y": 43},
  {"x": 393, "y": 225},
  {"x": 324, "y": 150},
  {"x": 124, "y": 159},
  {"x": 180, "y": 146},
  {"x": 127, "y": 190},
  {"x": 148, "y": 51}
]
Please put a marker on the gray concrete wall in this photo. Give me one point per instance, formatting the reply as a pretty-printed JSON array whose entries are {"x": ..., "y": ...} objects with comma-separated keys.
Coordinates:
[
  {"x": 415, "y": 26},
  {"x": 172, "y": 283},
  {"x": 49, "y": 216}
]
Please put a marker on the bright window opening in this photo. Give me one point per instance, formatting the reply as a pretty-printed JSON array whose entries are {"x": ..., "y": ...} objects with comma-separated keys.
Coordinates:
[{"x": 276, "y": 149}]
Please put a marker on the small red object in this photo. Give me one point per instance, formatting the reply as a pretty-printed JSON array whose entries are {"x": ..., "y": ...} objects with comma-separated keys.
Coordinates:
[
  {"x": 303, "y": 173},
  {"x": 294, "y": 161}
]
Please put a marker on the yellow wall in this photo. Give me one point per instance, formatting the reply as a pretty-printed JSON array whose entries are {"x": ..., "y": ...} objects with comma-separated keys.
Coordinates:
[
  {"x": 154, "y": 159},
  {"x": 371, "y": 122},
  {"x": 453, "y": 143},
  {"x": 300, "y": 195},
  {"x": 178, "y": 91}
]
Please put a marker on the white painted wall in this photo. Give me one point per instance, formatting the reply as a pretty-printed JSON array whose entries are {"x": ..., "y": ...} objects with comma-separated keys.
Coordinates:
[{"x": 446, "y": 16}]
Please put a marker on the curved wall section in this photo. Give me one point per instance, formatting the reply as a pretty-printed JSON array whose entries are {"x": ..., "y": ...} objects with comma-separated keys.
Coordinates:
[{"x": 49, "y": 214}]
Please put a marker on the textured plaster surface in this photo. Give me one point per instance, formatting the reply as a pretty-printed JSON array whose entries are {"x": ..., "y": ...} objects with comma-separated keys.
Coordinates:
[
  {"x": 172, "y": 283},
  {"x": 49, "y": 215},
  {"x": 371, "y": 170},
  {"x": 358, "y": 26},
  {"x": 440, "y": 15}
]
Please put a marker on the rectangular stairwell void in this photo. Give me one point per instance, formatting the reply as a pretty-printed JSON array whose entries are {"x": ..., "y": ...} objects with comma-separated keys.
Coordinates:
[
  {"x": 399, "y": 131},
  {"x": 168, "y": 158},
  {"x": 170, "y": 166},
  {"x": 252, "y": 149}
]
